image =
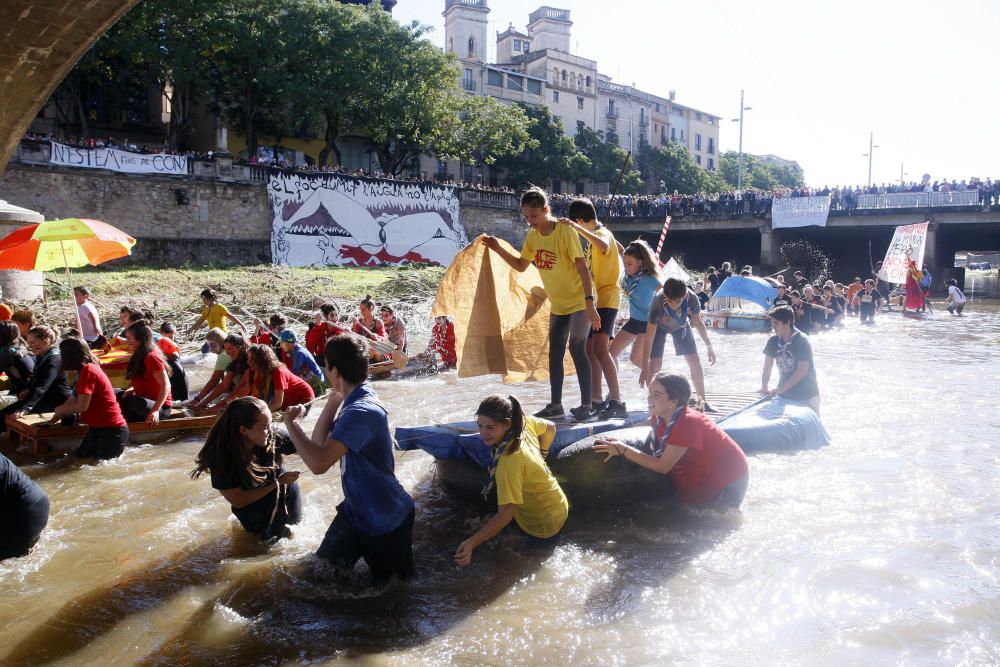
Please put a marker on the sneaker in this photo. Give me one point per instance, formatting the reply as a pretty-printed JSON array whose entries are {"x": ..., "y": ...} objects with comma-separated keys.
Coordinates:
[
  {"x": 614, "y": 410},
  {"x": 550, "y": 411},
  {"x": 583, "y": 413},
  {"x": 709, "y": 408},
  {"x": 599, "y": 406}
]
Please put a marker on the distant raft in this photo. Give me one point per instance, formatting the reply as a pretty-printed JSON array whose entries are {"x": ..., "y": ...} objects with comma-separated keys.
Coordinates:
[{"x": 771, "y": 425}]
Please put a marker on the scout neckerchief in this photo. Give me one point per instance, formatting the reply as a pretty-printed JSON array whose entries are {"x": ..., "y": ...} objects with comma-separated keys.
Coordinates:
[
  {"x": 631, "y": 283},
  {"x": 661, "y": 441},
  {"x": 497, "y": 453},
  {"x": 683, "y": 319},
  {"x": 784, "y": 344}
]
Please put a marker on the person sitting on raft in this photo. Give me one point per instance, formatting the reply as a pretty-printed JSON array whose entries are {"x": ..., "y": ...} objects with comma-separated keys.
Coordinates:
[
  {"x": 215, "y": 314},
  {"x": 325, "y": 325},
  {"x": 270, "y": 380},
  {"x": 148, "y": 396},
  {"x": 179, "y": 390},
  {"x": 527, "y": 493},
  {"x": 706, "y": 466},
  {"x": 215, "y": 339},
  {"x": 244, "y": 459},
  {"x": 93, "y": 403},
  {"x": 234, "y": 348},
  {"x": 47, "y": 387},
  {"x": 15, "y": 360},
  {"x": 300, "y": 361},
  {"x": 395, "y": 328},
  {"x": 24, "y": 511},
  {"x": 25, "y": 321}
]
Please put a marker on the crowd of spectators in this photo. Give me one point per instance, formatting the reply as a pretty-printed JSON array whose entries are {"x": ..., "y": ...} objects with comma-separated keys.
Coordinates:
[{"x": 122, "y": 144}]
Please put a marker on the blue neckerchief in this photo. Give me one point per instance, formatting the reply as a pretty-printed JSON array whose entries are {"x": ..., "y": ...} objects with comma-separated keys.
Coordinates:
[
  {"x": 683, "y": 319},
  {"x": 494, "y": 462},
  {"x": 661, "y": 441},
  {"x": 630, "y": 283}
]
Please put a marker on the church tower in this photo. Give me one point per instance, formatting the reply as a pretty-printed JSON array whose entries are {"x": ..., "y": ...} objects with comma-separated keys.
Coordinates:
[
  {"x": 549, "y": 28},
  {"x": 465, "y": 28}
]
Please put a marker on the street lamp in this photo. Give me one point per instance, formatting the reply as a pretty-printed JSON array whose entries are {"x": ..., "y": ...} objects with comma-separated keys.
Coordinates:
[
  {"x": 871, "y": 149},
  {"x": 739, "y": 174},
  {"x": 902, "y": 174}
]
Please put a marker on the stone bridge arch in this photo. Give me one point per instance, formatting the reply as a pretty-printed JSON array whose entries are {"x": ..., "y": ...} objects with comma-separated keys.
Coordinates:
[{"x": 40, "y": 41}]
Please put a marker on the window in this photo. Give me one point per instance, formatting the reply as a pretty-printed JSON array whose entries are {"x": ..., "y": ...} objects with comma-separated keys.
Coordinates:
[
  {"x": 711, "y": 164},
  {"x": 711, "y": 147},
  {"x": 451, "y": 45},
  {"x": 472, "y": 47},
  {"x": 657, "y": 108},
  {"x": 579, "y": 103},
  {"x": 697, "y": 158},
  {"x": 515, "y": 82},
  {"x": 494, "y": 78},
  {"x": 555, "y": 95},
  {"x": 697, "y": 142},
  {"x": 588, "y": 81},
  {"x": 534, "y": 87},
  {"x": 517, "y": 45},
  {"x": 467, "y": 81},
  {"x": 442, "y": 167},
  {"x": 579, "y": 80},
  {"x": 555, "y": 75},
  {"x": 564, "y": 76},
  {"x": 697, "y": 115},
  {"x": 527, "y": 46},
  {"x": 611, "y": 108},
  {"x": 673, "y": 134}
]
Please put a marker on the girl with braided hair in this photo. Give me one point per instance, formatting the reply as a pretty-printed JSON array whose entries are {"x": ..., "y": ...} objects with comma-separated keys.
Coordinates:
[{"x": 527, "y": 493}]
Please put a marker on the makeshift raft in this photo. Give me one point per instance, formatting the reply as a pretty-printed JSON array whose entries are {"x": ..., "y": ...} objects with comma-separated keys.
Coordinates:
[
  {"x": 758, "y": 425},
  {"x": 741, "y": 304},
  {"x": 33, "y": 431}
]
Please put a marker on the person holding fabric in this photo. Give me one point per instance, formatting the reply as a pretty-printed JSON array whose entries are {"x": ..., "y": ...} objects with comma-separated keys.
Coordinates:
[
  {"x": 675, "y": 311},
  {"x": 914, "y": 295},
  {"x": 47, "y": 387},
  {"x": 375, "y": 520},
  {"x": 527, "y": 493},
  {"x": 556, "y": 252},
  {"x": 24, "y": 511},
  {"x": 243, "y": 457},
  {"x": 791, "y": 350},
  {"x": 93, "y": 403},
  {"x": 147, "y": 398},
  {"x": 706, "y": 466}
]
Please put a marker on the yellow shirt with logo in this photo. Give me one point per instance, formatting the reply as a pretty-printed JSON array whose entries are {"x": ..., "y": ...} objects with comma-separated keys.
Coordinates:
[
  {"x": 606, "y": 269},
  {"x": 215, "y": 316},
  {"x": 555, "y": 255},
  {"x": 524, "y": 480}
]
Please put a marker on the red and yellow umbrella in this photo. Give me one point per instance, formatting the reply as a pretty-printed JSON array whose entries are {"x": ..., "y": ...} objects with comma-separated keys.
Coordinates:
[{"x": 71, "y": 242}]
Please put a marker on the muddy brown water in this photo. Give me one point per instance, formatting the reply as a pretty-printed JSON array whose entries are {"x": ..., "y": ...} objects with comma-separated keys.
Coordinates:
[{"x": 883, "y": 547}]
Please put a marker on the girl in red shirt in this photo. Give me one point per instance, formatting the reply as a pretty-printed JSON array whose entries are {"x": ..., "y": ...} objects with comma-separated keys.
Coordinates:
[
  {"x": 148, "y": 397},
  {"x": 704, "y": 463},
  {"x": 271, "y": 381},
  {"x": 93, "y": 401}
]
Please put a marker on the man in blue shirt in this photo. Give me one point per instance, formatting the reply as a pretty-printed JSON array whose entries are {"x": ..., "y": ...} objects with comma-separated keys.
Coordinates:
[{"x": 375, "y": 520}]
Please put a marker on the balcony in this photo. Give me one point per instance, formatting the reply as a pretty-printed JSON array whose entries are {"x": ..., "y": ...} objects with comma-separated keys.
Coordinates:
[
  {"x": 466, "y": 3},
  {"x": 549, "y": 13},
  {"x": 612, "y": 113},
  {"x": 644, "y": 122}
]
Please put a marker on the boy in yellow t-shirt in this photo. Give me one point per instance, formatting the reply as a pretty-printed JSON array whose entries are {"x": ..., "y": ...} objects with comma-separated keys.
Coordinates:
[
  {"x": 605, "y": 264},
  {"x": 556, "y": 252},
  {"x": 527, "y": 492}
]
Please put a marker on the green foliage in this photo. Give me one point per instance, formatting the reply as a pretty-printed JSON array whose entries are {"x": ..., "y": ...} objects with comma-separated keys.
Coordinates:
[
  {"x": 487, "y": 130},
  {"x": 807, "y": 257},
  {"x": 549, "y": 154},
  {"x": 607, "y": 160},
  {"x": 757, "y": 174},
  {"x": 674, "y": 166}
]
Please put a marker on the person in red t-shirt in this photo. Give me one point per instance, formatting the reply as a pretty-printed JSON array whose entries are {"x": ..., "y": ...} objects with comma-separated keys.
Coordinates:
[
  {"x": 704, "y": 463},
  {"x": 443, "y": 340},
  {"x": 324, "y": 327},
  {"x": 94, "y": 401},
  {"x": 271, "y": 381},
  {"x": 148, "y": 397}
]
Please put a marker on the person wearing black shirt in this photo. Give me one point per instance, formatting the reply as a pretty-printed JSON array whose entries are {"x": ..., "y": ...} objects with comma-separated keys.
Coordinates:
[
  {"x": 15, "y": 361},
  {"x": 869, "y": 302},
  {"x": 805, "y": 313},
  {"x": 243, "y": 457},
  {"x": 47, "y": 388},
  {"x": 24, "y": 510},
  {"x": 713, "y": 279},
  {"x": 783, "y": 299},
  {"x": 791, "y": 350},
  {"x": 799, "y": 281}
]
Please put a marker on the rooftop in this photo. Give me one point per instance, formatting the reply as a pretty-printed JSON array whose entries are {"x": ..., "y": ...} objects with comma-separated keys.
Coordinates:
[{"x": 550, "y": 13}]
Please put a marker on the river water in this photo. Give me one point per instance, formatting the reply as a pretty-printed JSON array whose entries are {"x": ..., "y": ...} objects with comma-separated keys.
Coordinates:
[{"x": 882, "y": 548}]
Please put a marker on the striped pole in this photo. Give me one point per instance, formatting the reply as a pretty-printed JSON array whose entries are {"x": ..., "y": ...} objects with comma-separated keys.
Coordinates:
[{"x": 663, "y": 237}]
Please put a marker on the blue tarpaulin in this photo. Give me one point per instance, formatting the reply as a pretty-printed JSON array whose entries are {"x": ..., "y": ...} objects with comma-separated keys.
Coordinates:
[{"x": 752, "y": 289}]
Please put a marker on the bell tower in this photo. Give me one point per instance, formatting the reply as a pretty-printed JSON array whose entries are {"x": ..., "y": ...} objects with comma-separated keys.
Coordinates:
[{"x": 465, "y": 28}]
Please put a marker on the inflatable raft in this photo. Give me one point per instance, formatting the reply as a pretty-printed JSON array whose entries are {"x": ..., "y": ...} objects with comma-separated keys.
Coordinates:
[
  {"x": 741, "y": 304},
  {"x": 462, "y": 459}
]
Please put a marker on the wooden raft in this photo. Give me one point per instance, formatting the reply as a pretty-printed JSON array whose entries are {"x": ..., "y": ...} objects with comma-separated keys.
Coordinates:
[{"x": 34, "y": 431}]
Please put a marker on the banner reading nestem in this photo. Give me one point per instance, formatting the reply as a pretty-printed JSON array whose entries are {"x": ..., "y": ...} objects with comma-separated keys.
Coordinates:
[
  {"x": 116, "y": 160},
  {"x": 334, "y": 219},
  {"x": 912, "y": 237},
  {"x": 800, "y": 211}
]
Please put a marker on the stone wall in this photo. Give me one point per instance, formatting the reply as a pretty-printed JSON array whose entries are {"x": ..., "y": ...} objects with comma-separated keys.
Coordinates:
[{"x": 184, "y": 220}]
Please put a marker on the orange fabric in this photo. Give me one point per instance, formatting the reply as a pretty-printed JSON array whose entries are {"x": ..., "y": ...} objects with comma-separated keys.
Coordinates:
[{"x": 5, "y": 312}]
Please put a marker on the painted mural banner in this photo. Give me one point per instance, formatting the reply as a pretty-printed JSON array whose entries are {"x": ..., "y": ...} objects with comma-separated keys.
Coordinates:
[
  {"x": 800, "y": 212},
  {"x": 906, "y": 237},
  {"x": 121, "y": 161},
  {"x": 338, "y": 220}
]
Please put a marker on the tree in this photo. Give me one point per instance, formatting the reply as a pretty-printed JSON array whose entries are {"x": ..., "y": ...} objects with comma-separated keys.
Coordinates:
[
  {"x": 550, "y": 154},
  {"x": 757, "y": 174},
  {"x": 486, "y": 130},
  {"x": 674, "y": 166},
  {"x": 607, "y": 160}
]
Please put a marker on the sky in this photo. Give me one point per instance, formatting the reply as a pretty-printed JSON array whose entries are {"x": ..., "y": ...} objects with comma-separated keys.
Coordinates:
[{"x": 819, "y": 76}]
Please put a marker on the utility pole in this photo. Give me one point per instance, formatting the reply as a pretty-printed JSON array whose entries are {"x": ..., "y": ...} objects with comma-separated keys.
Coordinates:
[
  {"x": 871, "y": 149},
  {"x": 739, "y": 173}
]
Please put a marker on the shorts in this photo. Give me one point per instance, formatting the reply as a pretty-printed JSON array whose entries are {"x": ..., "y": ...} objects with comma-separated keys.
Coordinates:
[
  {"x": 608, "y": 317},
  {"x": 684, "y": 344},
  {"x": 634, "y": 327},
  {"x": 385, "y": 555},
  {"x": 732, "y": 495},
  {"x": 956, "y": 308}
]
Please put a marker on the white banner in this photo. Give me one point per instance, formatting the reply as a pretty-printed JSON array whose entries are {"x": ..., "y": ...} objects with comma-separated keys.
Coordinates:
[
  {"x": 116, "y": 160},
  {"x": 333, "y": 219},
  {"x": 800, "y": 211},
  {"x": 907, "y": 237}
]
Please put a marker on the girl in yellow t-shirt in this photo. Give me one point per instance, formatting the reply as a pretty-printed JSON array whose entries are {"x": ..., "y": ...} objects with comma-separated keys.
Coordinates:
[
  {"x": 526, "y": 490},
  {"x": 215, "y": 314}
]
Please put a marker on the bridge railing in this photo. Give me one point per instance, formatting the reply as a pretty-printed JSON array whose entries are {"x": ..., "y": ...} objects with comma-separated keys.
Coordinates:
[
  {"x": 488, "y": 199},
  {"x": 919, "y": 199}
]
